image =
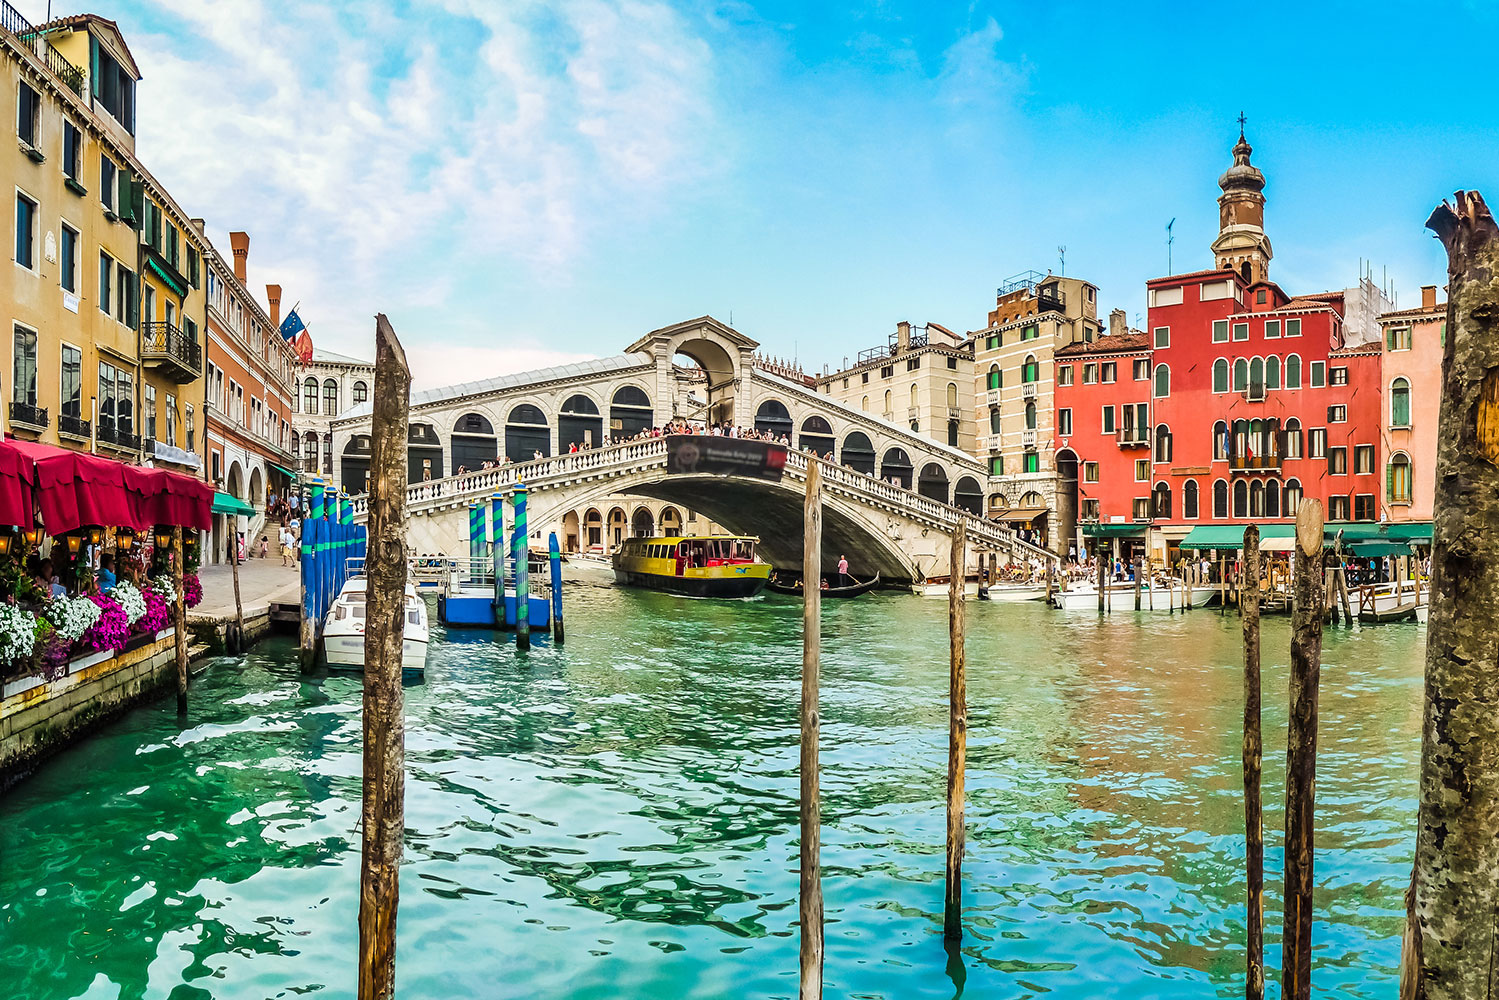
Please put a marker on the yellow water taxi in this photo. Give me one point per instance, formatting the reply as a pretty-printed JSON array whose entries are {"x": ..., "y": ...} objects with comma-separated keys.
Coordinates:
[{"x": 692, "y": 565}]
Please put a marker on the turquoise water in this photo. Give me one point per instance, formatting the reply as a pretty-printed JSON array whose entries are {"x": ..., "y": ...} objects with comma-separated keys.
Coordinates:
[{"x": 618, "y": 818}]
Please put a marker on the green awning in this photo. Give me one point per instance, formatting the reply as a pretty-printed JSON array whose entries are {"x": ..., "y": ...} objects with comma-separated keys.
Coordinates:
[
  {"x": 227, "y": 503},
  {"x": 1373, "y": 550},
  {"x": 284, "y": 471},
  {"x": 1114, "y": 530},
  {"x": 1411, "y": 531},
  {"x": 1231, "y": 536},
  {"x": 171, "y": 281}
]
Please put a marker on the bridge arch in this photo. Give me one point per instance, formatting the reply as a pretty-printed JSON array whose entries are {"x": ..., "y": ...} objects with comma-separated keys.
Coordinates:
[
  {"x": 858, "y": 453},
  {"x": 473, "y": 442},
  {"x": 896, "y": 466},
  {"x": 579, "y": 422},
  {"x": 933, "y": 482},
  {"x": 816, "y": 435},
  {"x": 526, "y": 433}
]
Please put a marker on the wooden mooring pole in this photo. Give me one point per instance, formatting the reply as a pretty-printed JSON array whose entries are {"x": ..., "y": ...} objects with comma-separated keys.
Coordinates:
[
  {"x": 1301, "y": 752},
  {"x": 1102, "y": 573},
  {"x": 384, "y": 733},
  {"x": 957, "y": 743},
  {"x": 811, "y": 805},
  {"x": 1254, "y": 824},
  {"x": 179, "y": 620},
  {"x": 1137, "y": 583},
  {"x": 1450, "y": 938},
  {"x": 236, "y": 643}
]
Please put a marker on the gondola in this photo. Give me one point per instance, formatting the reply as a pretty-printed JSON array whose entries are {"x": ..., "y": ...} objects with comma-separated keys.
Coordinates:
[{"x": 852, "y": 590}]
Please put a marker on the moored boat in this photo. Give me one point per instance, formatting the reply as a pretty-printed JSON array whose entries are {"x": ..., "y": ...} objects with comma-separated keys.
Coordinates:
[
  {"x": 343, "y": 630},
  {"x": 937, "y": 586},
  {"x": 1014, "y": 592},
  {"x": 794, "y": 587},
  {"x": 692, "y": 565}
]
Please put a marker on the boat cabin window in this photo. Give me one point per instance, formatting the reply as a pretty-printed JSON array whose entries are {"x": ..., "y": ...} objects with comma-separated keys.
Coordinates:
[
  {"x": 358, "y": 610},
  {"x": 414, "y": 617}
]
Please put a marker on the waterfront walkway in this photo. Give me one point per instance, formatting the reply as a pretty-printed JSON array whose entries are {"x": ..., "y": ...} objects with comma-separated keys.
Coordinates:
[{"x": 262, "y": 582}]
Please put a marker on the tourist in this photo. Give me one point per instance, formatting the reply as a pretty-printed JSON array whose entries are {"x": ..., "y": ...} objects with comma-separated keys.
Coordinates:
[
  {"x": 106, "y": 576},
  {"x": 288, "y": 546},
  {"x": 264, "y": 546}
]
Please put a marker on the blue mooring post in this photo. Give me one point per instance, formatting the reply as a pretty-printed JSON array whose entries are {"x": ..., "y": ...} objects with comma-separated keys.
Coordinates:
[
  {"x": 555, "y": 554},
  {"x": 475, "y": 541},
  {"x": 497, "y": 557},
  {"x": 314, "y": 523},
  {"x": 522, "y": 572},
  {"x": 308, "y": 637},
  {"x": 346, "y": 504}
]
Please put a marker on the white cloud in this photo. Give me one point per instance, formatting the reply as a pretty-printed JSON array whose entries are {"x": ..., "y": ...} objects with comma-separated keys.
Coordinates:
[{"x": 385, "y": 165}]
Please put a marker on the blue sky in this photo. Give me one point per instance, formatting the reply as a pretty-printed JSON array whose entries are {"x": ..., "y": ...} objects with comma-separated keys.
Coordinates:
[{"x": 517, "y": 184}]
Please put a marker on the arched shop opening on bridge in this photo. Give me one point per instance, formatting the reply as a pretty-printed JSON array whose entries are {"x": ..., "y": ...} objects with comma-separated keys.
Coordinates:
[
  {"x": 579, "y": 423},
  {"x": 629, "y": 412},
  {"x": 526, "y": 433},
  {"x": 817, "y": 436},
  {"x": 474, "y": 442},
  {"x": 355, "y": 468},
  {"x": 969, "y": 495},
  {"x": 423, "y": 453},
  {"x": 858, "y": 453},
  {"x": 896, "y": 467},
  {"x": 933, "y": 482},
  {"x": 772, "y": 417}
]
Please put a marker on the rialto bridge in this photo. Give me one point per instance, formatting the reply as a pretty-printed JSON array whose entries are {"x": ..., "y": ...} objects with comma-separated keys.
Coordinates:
[{"x": 893, "y": 494}]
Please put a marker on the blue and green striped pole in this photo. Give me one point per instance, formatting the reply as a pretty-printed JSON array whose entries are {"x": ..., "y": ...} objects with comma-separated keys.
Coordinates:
[
  {"x": 319, "y": 553},
  {"x": 554, "y": 553},
  {"x": 305, "y": 568},
  {"x": 522, "y": 578},
  {"x": 346, "y": 507},
  {"x": 475, "y": 541},
  {"x": 497, "y": 556}
]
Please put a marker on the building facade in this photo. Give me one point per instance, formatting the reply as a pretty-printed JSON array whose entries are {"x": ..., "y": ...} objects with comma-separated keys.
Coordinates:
[
  {"x": 325, "y": 387},
  {"x": 1411, "y": 377}
]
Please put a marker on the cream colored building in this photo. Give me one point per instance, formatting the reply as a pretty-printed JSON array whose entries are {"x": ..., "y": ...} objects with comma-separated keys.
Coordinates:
[
  {"x": 1014, "y": 376},
  {"x": 921, "y": 379}
]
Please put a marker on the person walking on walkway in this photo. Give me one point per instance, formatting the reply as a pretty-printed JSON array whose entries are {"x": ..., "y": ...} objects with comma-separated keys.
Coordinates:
[{"x": 288, "y": 546}]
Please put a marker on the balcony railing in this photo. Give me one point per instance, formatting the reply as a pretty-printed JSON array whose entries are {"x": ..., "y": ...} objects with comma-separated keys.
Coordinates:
[
  {"x": 166, "y": 344},
  {"x": 1254, "y": 463},
  {"x": 30, "y": 416},
  {"x": 1133, "y": 437},
  {"x": 1028, "y": 390},
  {"x": 118, "y": 437},
  {"x": 1255, "y": 393},
  {"x": 67, "y": 423},
  {"x": 1051, "y": 299},
  {"x": 1028, "y": 439},
  {"x": 27, "y": 34}
]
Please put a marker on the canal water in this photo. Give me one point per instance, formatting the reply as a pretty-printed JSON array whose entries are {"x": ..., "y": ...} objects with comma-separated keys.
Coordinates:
[{"x": 619, "y": 818}]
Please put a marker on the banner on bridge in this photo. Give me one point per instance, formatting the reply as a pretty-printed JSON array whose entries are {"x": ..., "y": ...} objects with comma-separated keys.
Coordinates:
[{"x": 724, "y": 456}]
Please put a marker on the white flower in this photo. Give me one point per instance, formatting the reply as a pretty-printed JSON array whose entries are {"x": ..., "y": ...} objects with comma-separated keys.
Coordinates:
[
  {"x": 163, "y": 587},
  {"x": 17, "y": 633},
  {"x": 130, "y": 600},
  {"x": 71, "y": 616}
]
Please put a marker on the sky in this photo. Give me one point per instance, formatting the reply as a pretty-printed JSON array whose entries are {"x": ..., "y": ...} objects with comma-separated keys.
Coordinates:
[{"x": 520, "y": 184}]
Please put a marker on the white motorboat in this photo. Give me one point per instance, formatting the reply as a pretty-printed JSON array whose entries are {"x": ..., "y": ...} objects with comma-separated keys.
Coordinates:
[
  {"x": 343, "y": 630},
  {"x": 936, "y": 586},
  {"x": 1013, "y": 592}
]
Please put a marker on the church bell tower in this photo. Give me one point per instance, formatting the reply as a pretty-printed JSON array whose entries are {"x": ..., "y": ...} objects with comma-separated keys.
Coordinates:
[{"x": 1242, "y": 245}]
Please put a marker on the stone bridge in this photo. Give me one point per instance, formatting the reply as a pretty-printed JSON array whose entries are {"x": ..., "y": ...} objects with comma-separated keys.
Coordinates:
[
  {"x": 699, "y": 370},
  {"x": 878, "y": 525}
]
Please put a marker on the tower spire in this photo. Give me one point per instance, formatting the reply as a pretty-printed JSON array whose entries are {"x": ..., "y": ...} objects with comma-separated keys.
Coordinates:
[{"x": 1241, "y": 244}]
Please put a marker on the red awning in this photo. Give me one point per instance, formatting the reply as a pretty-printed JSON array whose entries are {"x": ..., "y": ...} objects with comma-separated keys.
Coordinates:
[
  {"x": 74, "y": 489},
  {"x": 16, "y": 472}
]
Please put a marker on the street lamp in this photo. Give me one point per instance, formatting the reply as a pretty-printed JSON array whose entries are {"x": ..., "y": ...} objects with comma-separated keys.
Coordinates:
[
  {"x": 124, "y": 539},
  {"x": 74, "y": 543},
  {"x": 163, "y": 538}
]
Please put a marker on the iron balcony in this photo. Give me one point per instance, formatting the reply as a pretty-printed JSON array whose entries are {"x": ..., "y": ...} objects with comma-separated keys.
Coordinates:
[{"x": 166, "y": 347}]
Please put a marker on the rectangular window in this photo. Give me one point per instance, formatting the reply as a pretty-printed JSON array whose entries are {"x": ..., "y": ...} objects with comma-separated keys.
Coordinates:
[
  {"x": 863, "y": 377},
  {"x": 187, "y": 428},
  {"x": 28, "y": 113},
  {"x": 1090, "y": 472},
  {"x": 1316, "y": 442},
  {"x": 150, "y": 415},
  {"x": 1090, "y": 507},
  {"x": 1110, "y": 371},
  {"x": 887, "y": 371},
  {"x": 72, "y": 149},
  {"x": 1337, "y": 508},
  {"x": 1032, "y": 461},
  {"x": 1363, "y": 507},
  {"x": 1293, "y": 328},
  {"x": 1090, "y": 373},
  {"x": 1029, "y": 333},
  {"x": 23, "y": 373},
  {"x": 72, "y": 382},
  {"x": 1142, "y": 470},
  {"x": 1141, "y": 508},
  {"x": 1339, "y": 376},
  {"x": 1363, "y": 459},
  {"x": 1108, "y": 420},
  {"x": 1272, "y": 328},
  {"x": 1398, "y": 338},
  {"x": 106, "y": 268},
  {"x": 996, "y": 465},
  {"x": 1064, "y": 422},
  {"x": 127, "y": 296},
  {"x": 109, "y": 179},
  {"x": 25, "y": 232},
  {"x": 1064, "y": 374},
  {"x": 113, "y": 86},
  {"x": 1337, "y": 413},
  {"x": 1142, "y": 370},
  {"x": 1241, "y": 331},
  {"x": 1319, "y": 374},
  {"x": 952, "y": 364},
  {"x": 912, "y": 364},
  {"x": 992, "y": 342},
  {"x": 1166, "y": 296},
  {"x": 1220, "y": 331},
  {"x": 67, "y": 250},
  {"x": 1163, "y": 336},
  {"x": 1337, "y": 461}
]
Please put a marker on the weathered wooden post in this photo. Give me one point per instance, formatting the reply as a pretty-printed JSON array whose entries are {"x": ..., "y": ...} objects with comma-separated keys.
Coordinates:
[
  {"x": 957, "y": 744},
  {"x": 1137, "y": 583},
  {"x": 179, "y": 620},
  {"x": 811, "y": 805},
  {"x": 1254, "y": 824},
  {"x": 1102, "y": 571},
  {"x": 522, "y": 571},
  {"x": 554, "y": 558},
  {"x": 384, "y": 732},
  {"x": 237, "y": 644},
  {"x": 1301, "y": 752},
  {"x": 1450, "y": 940}
]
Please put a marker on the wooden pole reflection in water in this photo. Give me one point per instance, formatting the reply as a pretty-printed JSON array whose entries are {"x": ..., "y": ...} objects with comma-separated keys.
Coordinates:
[
  {"x": 811, "y": 807},
  {"x": 957, "y": 740}
]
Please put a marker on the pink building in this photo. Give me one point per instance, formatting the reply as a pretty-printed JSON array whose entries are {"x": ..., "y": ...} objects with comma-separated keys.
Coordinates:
[{"x": 1411, "y": 380}]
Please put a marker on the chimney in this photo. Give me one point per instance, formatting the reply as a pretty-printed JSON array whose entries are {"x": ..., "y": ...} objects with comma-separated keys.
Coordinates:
[
  {"x": 1118, "y": 322},
  {"x": 1428, "y": 296},
  {"x": 199, "y": 225},
  {"x": 273, "y": 299},
  {"x": 240, "y": 244},
  {"x": 902, "y": 335}
]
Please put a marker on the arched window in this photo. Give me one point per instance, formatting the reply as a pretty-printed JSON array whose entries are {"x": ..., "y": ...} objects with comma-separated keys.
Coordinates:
[
  {"x": 1189, "y": 499},
  {"x": 526, "y": 433},
  {"x": 1272, "y": 372},
  {"x": 933, "y": 482},
  {"x": 1241, "y": 499},
  {"x": 858, "y": 453},
  {"x": 1293, "y": 371},
  {"x": 1400, "y": 403},
  {"x": 914, "y": 403},
  {"x": 361, "y": 393},
  {"x": 772, "y": 417},
  {"x": 888, "y": 411},
  {"x": 295, "y": 441},
  {"x": 1272, "y": 498},
  {"x": 309, "y": 451},
  {"x": 1162, "y": 380},
  {"x": 1256, "y": 499},
  {"x": 968, "y": 495},
  {"x": 1241, "y": 375},
  {"x": 1032, "y": 371},
  {"x": 1240, "y": 443},
  {"x": 1293, "y": 496},
  {"x": 1220, "y": 498},
  {"x": 1220, "y": 375},
  {"x": 579, "y": 423},
  {"x": 309, "y": 395},
  {"x": 994, "y": 421},
  {"x": 1030, "y": 414},
  {"x": 1162, "y": 443},
  {"x": 952, "y": 433},
  {"x": 1257, "y": 377},
  {"x": 1161, "y": 501},
  {"x": 864, "y": 404},
  {"x": 629, "y": 412},
  {"x": 896, "y": 465},
  {"x": 996, "y": 378},
  {"x": 952, "y": 394},
  {"x": 1292, "y": 435},
  {"x": 330, "y": 397},
  {"x": 1220, "y": 441},
  {"x": 474, "y": 442},
  {"x": 1398, "y": 478},
  {"x": 816, "y": 436}
]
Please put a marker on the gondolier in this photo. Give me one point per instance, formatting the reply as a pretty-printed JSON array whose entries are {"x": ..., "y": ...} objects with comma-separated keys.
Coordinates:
[{"x": 842, "y": 571}]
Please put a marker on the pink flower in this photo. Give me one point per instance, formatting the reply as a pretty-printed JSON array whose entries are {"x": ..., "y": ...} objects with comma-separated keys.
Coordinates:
[
  {"x": 111, "y": 630},
  {"x": 157, "y": 615},
  {"x": 192, "y": 590}
]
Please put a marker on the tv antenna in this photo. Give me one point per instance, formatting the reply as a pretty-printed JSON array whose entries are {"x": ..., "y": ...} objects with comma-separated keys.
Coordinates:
[
  {"x": 1062, "y": 261},
  {"x": 1170, "y": 239}
]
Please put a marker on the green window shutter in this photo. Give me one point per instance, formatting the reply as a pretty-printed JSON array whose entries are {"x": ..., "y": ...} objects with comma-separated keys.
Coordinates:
[
  {"x": 137, "y": 203},
  {"x": 1389, "y": 481},
  {"x": 132, "y": 293},
  {"x": 93, "y": 62}
]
